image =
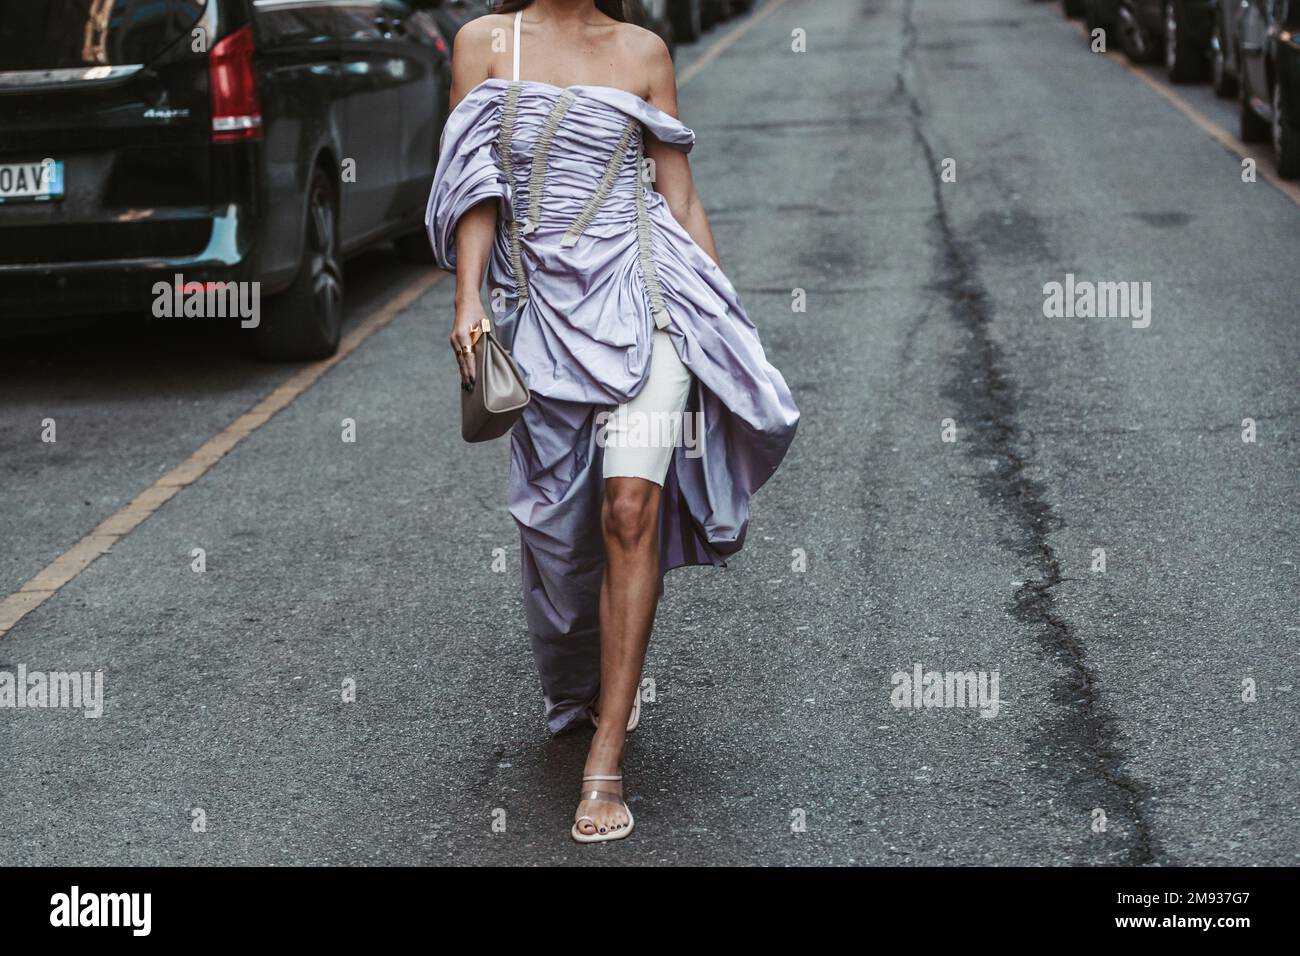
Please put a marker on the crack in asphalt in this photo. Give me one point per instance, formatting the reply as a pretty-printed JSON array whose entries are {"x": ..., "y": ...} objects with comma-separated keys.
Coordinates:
[{"x": 983, "y": 387}]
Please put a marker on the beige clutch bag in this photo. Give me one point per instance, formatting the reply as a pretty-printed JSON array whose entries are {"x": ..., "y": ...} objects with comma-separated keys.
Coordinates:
[{"x": 499, "y": 394}]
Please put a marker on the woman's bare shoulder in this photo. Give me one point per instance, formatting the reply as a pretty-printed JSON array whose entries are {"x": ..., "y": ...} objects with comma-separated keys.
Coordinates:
[
  {"x": 646, "y": 56},
  {"x": 642, "y": 45},
  {"x": 472, "y": 55},
  {"x": 481, "y": 30}
]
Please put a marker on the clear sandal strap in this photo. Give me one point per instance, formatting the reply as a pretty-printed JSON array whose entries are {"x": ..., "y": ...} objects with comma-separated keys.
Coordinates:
[{"x": 603, "y": 776}]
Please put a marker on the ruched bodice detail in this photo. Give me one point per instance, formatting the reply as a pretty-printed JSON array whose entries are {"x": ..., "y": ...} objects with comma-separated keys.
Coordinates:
[
  {"x": 559, "y": 172},
  {"x": 561, "y": 142}
]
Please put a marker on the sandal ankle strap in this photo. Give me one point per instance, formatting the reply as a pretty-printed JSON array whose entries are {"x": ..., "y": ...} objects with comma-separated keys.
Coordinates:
[
  {"x": 603, "y": 776},
  {"x": 603, "y": 796}
]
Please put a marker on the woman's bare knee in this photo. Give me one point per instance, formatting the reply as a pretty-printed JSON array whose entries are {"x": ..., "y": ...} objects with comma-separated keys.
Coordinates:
[{"x": 630, "y": 512}]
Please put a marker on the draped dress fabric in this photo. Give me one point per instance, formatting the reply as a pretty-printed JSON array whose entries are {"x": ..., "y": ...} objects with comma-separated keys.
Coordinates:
[{"x": 587, "y": 262}]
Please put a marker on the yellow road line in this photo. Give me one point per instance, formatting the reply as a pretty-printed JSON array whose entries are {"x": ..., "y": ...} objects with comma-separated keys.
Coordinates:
[
  {"x": 126, "y": 519},
  {"x": 715, "y": 51},
  {"x": 1212, "y": 129}
]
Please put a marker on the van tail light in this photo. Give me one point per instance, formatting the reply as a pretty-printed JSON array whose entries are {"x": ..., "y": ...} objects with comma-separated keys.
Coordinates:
[{"x": 236, "y": 105}]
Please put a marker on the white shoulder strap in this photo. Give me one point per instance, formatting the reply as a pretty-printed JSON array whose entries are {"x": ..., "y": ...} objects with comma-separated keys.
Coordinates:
[{"x": 515, "y": 71}]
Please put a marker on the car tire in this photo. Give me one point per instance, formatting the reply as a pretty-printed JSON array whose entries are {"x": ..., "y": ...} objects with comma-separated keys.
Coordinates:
[
  {"x": 1286, "y": 138},
  {"x": 1253, "y": 127},
  {"x": 1074, "y": 8},
  {"x": 1134, "y": 39},
  {"x": 1224, "y": 83},
  {"x": 306, "y": 321},
  {"x": 1184, "y": 61},
  {"x": 1092, "y": 20}
]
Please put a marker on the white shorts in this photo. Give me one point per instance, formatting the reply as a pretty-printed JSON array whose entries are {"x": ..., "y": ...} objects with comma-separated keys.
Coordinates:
[{"x": 640, "y": 435}]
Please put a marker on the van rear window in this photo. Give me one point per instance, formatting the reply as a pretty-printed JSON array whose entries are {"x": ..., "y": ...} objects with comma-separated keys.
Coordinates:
[{"x": 64, "y": 34}]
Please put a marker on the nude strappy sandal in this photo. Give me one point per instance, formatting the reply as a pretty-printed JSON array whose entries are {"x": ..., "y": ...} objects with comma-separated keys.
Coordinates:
[
  {"x": 633, "y": 718},
  {"x": 602, "y": 796}
]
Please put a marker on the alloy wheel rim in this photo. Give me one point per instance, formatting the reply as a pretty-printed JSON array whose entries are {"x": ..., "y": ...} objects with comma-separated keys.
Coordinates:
[
  {"x": 326, "y": 287},
  {"x": 1128, "y": 28}
]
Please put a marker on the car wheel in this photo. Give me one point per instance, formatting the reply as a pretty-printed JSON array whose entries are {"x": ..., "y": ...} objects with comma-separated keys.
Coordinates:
[
  {"x": 1184, "y": 61},
  {"x": 1286, "y": 139},
  {"x": 1137, "y": 44},
  {"x": 1224, "y": 83},
  {"x": 1074, "y": 8},
  {"x": 1253, "y": 127},
  {"x": 306, "y": 321}
]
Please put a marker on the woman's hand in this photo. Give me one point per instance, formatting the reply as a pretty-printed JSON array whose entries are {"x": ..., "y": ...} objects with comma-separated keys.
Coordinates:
[{"x": 469, "y": 315}]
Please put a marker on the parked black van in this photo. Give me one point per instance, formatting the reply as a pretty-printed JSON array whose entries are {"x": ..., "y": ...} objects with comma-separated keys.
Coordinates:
[{"x": 221, "y": 141}]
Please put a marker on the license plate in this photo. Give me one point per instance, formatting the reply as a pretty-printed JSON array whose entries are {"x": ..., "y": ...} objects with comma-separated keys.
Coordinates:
[{"x": 31, "y": 182}]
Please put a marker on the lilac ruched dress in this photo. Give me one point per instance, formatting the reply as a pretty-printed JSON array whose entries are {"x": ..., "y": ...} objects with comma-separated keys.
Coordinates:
[{"x": 590, "y": 262}]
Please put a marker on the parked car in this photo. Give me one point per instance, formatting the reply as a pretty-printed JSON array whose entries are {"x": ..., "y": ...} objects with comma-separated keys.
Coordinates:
[
  {"x": 1268, "y": 83},
  {"x": 212, "y": 141}
]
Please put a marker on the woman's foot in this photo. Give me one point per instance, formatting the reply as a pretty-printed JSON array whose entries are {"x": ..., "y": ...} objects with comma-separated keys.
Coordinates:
[{"x": 602, "y": 814}]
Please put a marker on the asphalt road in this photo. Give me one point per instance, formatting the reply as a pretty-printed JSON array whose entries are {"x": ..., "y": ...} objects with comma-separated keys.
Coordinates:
[{"x": 771, "y": 737}]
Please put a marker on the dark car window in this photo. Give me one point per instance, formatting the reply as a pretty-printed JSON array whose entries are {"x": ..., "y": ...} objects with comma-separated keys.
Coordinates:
[
  {"x": 356, "y": 19},
  {"x": 63, "y": 34},
  {"x": 293, "y": 22}
]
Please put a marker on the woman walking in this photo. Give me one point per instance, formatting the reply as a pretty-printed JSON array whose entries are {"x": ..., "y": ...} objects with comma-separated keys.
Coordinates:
[{"x": 563, "y": 179}]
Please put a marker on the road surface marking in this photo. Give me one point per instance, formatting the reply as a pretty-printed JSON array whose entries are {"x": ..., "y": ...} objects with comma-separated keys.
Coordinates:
[
  {"x": 1214, "y": 130},
  {"x": 126, "y": 519},
  {"x": 715, "y": 51}
]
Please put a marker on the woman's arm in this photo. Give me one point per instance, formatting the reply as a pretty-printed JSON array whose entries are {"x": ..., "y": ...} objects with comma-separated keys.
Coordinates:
[
  {"x": 672, "y": 170},
  {"x": 471, "y": 64}
]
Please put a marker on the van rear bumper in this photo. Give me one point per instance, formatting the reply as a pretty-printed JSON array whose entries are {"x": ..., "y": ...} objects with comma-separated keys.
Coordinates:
[{"x": 39, "y": 289}]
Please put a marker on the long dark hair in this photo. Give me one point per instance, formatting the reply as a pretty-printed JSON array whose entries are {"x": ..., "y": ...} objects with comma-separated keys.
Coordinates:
[{"x": 629, "y": 11}]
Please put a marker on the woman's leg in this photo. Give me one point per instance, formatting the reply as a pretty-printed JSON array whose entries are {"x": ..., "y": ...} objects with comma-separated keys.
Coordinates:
[
  {"x": 634, "y": 471},
  {"x": 628, "y": 595}
]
